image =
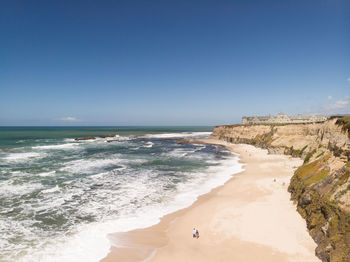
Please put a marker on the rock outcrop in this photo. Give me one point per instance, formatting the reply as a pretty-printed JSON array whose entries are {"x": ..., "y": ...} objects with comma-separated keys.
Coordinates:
[
  {"x": 109, "y": 135},
  {"x": 93, "y": 138},
  {"x": 85, "y": 138},
  {"x": 321, "y": 186}
]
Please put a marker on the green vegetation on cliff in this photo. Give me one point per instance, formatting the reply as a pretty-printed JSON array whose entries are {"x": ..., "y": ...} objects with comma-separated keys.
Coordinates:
[
  {"x": 312, "y": 188},
  {"x": 309, "y": 155},
  {"x": 316, "y": 191}
]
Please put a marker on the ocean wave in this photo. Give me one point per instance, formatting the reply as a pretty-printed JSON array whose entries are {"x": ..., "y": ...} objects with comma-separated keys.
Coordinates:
[
  {"x": 50, "y": 173},
  {"x": 119, "y": 194},
  {"x": 188, "y": 152},
  {"x": 50, "y": 190},
  {"x": 97, "y": 165},
  {"x": 179, "y": 135},
  {"x": 120, "y": 138},
  {"x": 69, "y": 140},
  {"x": 106, "y": 139},
  {"x": 149, "y": 144},
  {"x": 10, "y": 229},
  {"x": 177, "y": 153},
  {"x": 24, "y": 156},
  {"x": 92, "y": 241},
  {"x": 60, "y": 147},
  {"x": 87, "y": 166},
  {"x": 213, "y": 177},
  {"x": 10, "y": 188},
  {"x": 89, "y": 244}
]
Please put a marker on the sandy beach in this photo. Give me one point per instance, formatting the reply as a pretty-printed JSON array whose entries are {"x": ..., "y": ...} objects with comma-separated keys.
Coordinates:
[{"x": 250, "y": 218}]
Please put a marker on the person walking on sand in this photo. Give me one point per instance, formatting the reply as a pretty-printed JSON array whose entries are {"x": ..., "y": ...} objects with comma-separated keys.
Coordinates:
[
  {"x": 197, "y": 234},
  {"x": 194, "y": 232}
]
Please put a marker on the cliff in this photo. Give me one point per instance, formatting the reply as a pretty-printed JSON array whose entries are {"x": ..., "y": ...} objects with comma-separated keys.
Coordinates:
[{"x": 321, "y": 186}]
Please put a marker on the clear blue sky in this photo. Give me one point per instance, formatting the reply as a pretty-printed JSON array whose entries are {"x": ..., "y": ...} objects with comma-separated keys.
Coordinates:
[{"x": 171, "y": 62}]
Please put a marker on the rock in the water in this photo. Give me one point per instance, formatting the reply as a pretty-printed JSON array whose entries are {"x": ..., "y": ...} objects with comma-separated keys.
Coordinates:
[
  {"x": 109, "y": 141},
  {"x": 85, "y": 138},
  {"x": 109, "y": 135}
]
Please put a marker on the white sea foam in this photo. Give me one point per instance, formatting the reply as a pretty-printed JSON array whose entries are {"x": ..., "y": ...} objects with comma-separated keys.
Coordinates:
[
  {"x": 89, "y": 244},
  {"x": 50, "y": 173},
  {"x": 214, "y": 177},
  {"x": 9, "y": 188},
  {"x": 148, "y": 144},
  {"x": 19, "y": 157},
  {"x": 87, "y": 165},
  {"x": 51, "y": 190},
  {"x": 178, "y": 152},
  {"x": 182, "y": 152},
  {"x": 60, "y": 147},
  {"x": 120, "y": 138},
  {"x": 178, "y": 135},
  {"x": 199, "y": 147},
  {"x": 69, "y": 140},
  {"x": 95, "y": 165},
  {"x": 106, "y": 139}
]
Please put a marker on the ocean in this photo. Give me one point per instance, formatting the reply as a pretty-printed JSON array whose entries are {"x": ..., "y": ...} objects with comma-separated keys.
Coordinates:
[{"x": 60, "y": 198}]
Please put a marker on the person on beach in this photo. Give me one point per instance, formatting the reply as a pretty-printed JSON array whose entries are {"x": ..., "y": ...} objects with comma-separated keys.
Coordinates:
[
  {"x": 194, "y": 232},
  {"x": 197, "y": 234}
]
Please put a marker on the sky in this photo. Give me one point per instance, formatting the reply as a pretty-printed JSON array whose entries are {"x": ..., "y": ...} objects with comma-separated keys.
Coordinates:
[{"x": 171, "y": 62}]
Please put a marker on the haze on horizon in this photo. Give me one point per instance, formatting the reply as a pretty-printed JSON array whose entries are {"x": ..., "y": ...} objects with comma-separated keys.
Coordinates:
[{"x": 171, "y": 62}]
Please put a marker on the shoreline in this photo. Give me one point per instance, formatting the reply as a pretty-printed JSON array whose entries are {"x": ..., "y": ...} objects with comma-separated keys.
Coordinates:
[{"x": 244, "y": 203}]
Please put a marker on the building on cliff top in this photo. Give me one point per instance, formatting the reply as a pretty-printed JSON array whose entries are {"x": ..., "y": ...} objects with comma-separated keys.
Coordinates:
[{"x": 283, "y": 119}]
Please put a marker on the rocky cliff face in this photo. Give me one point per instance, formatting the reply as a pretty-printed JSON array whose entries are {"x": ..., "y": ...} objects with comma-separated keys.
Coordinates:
[{"x": 321, "y": 186}]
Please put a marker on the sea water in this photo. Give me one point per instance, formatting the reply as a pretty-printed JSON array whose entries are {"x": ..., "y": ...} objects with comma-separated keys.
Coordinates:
[{"x": 60, "y": 198}]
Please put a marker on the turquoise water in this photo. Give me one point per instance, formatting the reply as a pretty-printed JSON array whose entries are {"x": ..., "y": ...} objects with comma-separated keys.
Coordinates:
[
  {"x": 57, "y": 193},
  {"x": 13, "y": 135}
]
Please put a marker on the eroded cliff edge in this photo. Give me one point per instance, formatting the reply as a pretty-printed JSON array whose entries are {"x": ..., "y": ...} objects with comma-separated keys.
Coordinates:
[{"x": 321, "y": 186}]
